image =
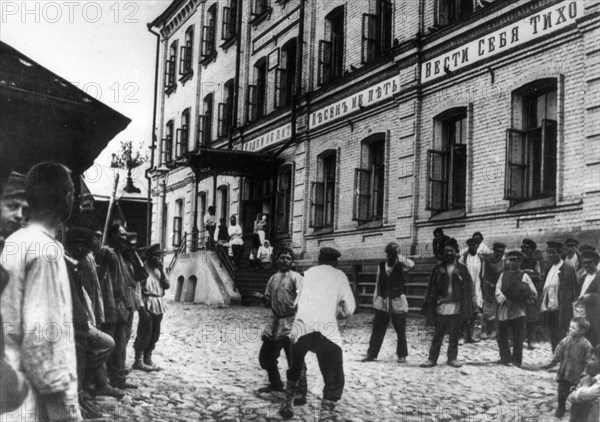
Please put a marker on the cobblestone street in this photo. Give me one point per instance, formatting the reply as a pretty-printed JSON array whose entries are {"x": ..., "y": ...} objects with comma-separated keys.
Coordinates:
[{"x": 210, "y": 372}]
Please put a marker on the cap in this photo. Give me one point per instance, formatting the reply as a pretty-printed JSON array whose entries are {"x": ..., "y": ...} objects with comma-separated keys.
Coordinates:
[
  {"x": 554, "y": 244},
  {"x": 329, "y": 254},
  {"x": 586, "y": 248},
  {"x": 471, "y": 242},
  {"x": 452, "y": 243},
  {"x": 528, "y": 243},
  {"x": 590, "y": 255},
  {"x": 571, "y": 241},
  {"x": 80, "y": 235},
  {"x": 15, "y": 185},
  {"x": 392, "y": 247},
  {"x": 154, "y": 249},
  {"x": 514, "y": 254},
  {"x": 131, "y": 238},
  {"x": 499, "y": 245}
]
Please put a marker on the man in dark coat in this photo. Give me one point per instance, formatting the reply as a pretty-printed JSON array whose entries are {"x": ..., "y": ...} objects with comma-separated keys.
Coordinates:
[
  {"x": 448, "y": 302},
  {"x": 532, "y": 267},
  {"x": 589, "y": 295},
  {"x": 493, "y": 265},
  {"x": 439, "y": 240},
  {"x": 559, "y": 292}
]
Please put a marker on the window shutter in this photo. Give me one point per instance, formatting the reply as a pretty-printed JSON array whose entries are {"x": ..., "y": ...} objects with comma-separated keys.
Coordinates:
[
  {"x": 184, "y": 139},
  {"x": 317, "y": 201},
  {"x": 362, "y": 194},
  {"x": 167, "y": 73},
  {"x": 324, "y": 62},
  {"x": 369, "y": 37},
  {"x": 251, "y": 103},
  {"x": 176, "y": 231},
  {"x": 211, "y": 35},
  {"x": 182, "y": 60},
  {"x": 226, "y": 33},
  {"x": 221, "y": 129},
  {"x": 205, "y": 31},
  {"x": 280, "y": 208},
  {"x": 436, "y": 180},
  {"x": 515, "y": 182},
  {"x": 163, "y": 147},
  {"x": 188, "y": 57},
  {"x": 168, "y": 149},
  {"x": 280, "y": 87},
  {"x": 200, "y": 140},
  {"x": 549, "y": 139},
  {"x": 178, "y": 141}
]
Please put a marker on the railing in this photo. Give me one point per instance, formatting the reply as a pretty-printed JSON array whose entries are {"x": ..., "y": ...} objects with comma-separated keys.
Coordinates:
[
  {"x": 226, "y": 262},
  {"x": 180, "y": 249}
]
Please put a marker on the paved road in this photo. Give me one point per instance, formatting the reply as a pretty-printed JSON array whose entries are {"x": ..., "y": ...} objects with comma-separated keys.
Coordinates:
[{"x": 211, "y": 373}]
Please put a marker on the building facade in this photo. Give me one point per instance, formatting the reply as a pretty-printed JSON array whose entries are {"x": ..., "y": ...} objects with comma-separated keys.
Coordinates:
[{"x": 357, "y": 123}]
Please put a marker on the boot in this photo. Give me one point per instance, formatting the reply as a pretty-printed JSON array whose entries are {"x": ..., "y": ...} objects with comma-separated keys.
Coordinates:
[
  {"x": 327, "y": 411},
  {"x": 148, "y": 362},
  {"x": 301, "y": 391},
  {"x": 139, "y": 362},
  {"x": 287, "y": 408}
]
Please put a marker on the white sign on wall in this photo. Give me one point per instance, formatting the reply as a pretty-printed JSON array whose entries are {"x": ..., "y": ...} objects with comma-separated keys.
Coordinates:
[
  {"x": 538, "y": 25},
  {"x": 366, "y": 97},
  {"x": 273, "y": 137}
]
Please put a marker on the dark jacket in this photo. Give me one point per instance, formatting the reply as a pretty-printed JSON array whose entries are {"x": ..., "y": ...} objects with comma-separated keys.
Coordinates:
[
  {"x": 491, "y": 270},
  {"x": 438, "y": 246},
  {"x": 592, "y": 308},
  {"x": 391, "y": 285},
  {"x": 113, "y": 280},
  {"x": 438, "y": 287}
]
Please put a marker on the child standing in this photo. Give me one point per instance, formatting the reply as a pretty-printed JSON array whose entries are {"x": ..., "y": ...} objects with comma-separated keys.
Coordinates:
[{"x": 572, "y": 353}]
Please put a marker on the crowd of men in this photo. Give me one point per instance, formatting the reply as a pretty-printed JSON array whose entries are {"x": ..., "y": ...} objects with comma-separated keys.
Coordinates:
[{"x": 67, "y": 311}]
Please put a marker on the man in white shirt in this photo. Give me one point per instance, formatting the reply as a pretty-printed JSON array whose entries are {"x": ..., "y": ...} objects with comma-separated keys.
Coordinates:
[
  {"x": 474, "y": 264},
  {"x": 210, "y": 224},
  {"x": 324, "y": 297}
]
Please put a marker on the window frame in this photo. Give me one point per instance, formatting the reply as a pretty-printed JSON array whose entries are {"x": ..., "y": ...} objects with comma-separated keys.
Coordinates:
[
  {"x": 209, "y": 35},
  {"x": 370, "y": 182}
]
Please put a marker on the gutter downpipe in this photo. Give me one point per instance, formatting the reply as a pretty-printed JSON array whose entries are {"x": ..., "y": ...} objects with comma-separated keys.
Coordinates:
[{"x": 153, "y": 147}]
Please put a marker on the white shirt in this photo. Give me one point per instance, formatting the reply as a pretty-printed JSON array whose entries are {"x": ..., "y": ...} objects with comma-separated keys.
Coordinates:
[
  {"x": 319, "y": 303},
  {"x": 549, "y": 300},
  {"x": 235, "y": 235},
  {"x": 586, "y": 283},
  {"x": 473, "y": 263}
]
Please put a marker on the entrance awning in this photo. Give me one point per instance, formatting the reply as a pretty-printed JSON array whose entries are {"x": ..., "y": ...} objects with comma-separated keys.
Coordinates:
[{"x": 207, "y": 162}]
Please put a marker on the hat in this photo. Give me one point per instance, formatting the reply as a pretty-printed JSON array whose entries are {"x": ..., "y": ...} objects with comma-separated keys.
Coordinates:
[
  {"x": 498, "y": 245},
  {"x": 514, "y": 254},
  {"x": 131, "y": 238},
  {"x": 452, "y": 243},
  {"x": 554, "y": 244},
  {"x": 15, "y": 185},
  {"x": 80, "y": 235},
  {"x": 98, "y": 233},
  {"x": 591, "y": 255},
  {"x": 586, "y": 248},
  {"x": 571, "y": 241},
  {"x": 329, "y": 254},
  {"x": 392, "y": 247},
  {"x": 471, "y": 242},
  {"x": 154, "y": 249},
  {"x": 528, "y": 243}
]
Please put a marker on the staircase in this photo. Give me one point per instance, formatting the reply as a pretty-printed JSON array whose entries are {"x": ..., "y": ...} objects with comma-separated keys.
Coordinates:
[{"x": 250, "y": 280}]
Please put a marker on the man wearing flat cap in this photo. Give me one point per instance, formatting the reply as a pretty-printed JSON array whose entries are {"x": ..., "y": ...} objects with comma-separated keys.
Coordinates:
[
  {"x": 532, "y": 267},
  {"x": 389, "y": 302},
  {"x": 513, "y": 292},
  {"x": 588, "y": 300},
  {"x": 559, "y": 292},
  {"x": 13, "y": 206},
  {"x": 449, "y": 302},
  {"x": 493, "y": 265},
  {"x": 325, "y": 296},
  {"x": 582, "y": 250},
  {"x": 472, "y": 259},
  {"x": 152, "y": 310},
  {"x": 573, "y": 258}
]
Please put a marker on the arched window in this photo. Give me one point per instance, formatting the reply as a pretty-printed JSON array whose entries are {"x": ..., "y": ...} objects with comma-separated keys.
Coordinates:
[
  {"x": 223, "y": 202},
  {"x": 285, "y": 75},
  {"x": 323, "y": 191},
  {"x": 377, "y": 29},
  {"x": 209, "y": 32},
  {"x": 226, "y": 110},
  {"x": 185, "y": 60},
  {"x": 171, "y": 67},
  {"x": 331, "y": 49},
  {"x": 229, "y": 29},
  {"x": 205, "y": 121},
  {"x": 178, "y": 223},
  {"x": 257, "y": 92},
  {"x": 369, "y": 180},
  {"x": 183, "y": 134},
  {"x": 167, "y": 143}
]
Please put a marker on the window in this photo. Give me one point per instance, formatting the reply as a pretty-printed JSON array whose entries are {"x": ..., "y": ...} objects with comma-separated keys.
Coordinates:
[
  {"x": 376, "y": 30},
  {"x": 164, "y": 225},
  {"x": 183, "y": 134},
  {"x": 223, "y": 202},
  {"x": 447, "y": 165},
  {"x": 283, "y": 199},
  {"x": 285, "y": 76},
  {"x": 167, "y": 143},
  {"x": 531, "y": 149},
  {"x": 259, "y": 8},
  {"x": 202, "y": 209},
  {"x": 323, "y": 192},
  {"x": 205, "y": 121},
  {"x": 331, "y": 49},
  {"x": 226, "y": 110},
  {"x": 177, "y": 223},
  {"x": 185, "y": 59},
  {"x": 209, "y": 33},
  {"x": 369, "y": 181},
  {"x": 229, "y": 29},
  {"x": 257, "y": 93},
  {"x": 450, "y": 11},
  {"x": 170, "y": 67}
]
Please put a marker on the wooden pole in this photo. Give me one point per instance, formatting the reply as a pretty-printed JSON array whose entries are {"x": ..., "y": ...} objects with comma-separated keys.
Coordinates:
[{"x": 111, "y": 204}]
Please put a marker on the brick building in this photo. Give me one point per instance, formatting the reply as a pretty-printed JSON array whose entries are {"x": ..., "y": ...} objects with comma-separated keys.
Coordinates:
[{"x": 356, "y": 123}]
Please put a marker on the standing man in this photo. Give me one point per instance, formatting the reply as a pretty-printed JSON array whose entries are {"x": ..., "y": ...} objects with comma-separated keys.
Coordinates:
[
  {"x": 531, "y": 267},
  {"x": 13, "y": 206},
  {"x": 115, "y": 274},
  {"x": 493, "y": 265},
  {"x": 449, "y": 302},
  {"x": 573, "y": 258},
  {"x": 324, "y": 297},
  {"x": 472, "y": 260},
  {"x": 280, "y": 296},
  {"x": 210, "y": 223},
  {"x": 152, "y": 311},
  {"x": 513, "y": 292},
  {"x": 38, "y": 296},
  {"x": 439, "y": 240},
  {"x": 236, "y": 241},
  {"x": 389, "y": 302},
  {"x": 559, "y": 292},
  {"x": 589, "y": 296}
]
